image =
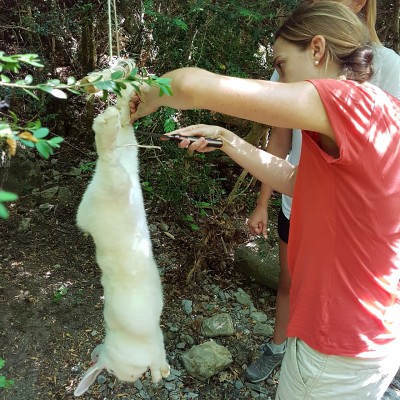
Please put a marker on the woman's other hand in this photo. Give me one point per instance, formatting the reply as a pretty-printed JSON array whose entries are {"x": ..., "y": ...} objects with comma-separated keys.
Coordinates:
[{"x": 203, "y": 132}]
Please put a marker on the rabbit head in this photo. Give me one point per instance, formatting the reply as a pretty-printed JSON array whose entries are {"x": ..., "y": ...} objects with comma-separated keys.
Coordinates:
[
  {"x": 126, "y": 366},
  {"x": 101, "y": 359}
]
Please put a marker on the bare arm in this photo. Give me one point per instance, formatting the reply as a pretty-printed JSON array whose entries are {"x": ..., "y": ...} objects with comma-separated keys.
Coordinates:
[
  {"x": 285, "y": 105},
  {"x": 267, "y": 168},
  {"x": 279, "y": 144},
  {"x": 275, "y": 172}
]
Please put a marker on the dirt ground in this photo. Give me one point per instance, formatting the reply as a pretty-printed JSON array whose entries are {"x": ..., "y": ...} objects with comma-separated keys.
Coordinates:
[
  {"x": 51, "y": 296},
  {"x": 51, "y": 300}
]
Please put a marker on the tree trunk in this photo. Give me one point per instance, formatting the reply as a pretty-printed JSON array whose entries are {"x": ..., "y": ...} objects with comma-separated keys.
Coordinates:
[
  {"x": 396, "y": 18},
  {"x": 88, "y": 55}
]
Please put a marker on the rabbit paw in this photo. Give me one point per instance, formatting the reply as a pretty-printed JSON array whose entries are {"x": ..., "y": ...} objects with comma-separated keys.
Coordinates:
[
  {"x": 106, "y": 126},
  {"x": 159, "y": 372}
]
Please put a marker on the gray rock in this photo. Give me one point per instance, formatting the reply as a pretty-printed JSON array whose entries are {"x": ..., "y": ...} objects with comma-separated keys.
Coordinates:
[
  {"x": 138, "y": 384},
  {"x": 21, "y": 172},
  {"x": 259, "y": 260},
  {"x": 64, "y": 195},
  {"x": 256, "y": 388},
  {"x": 263, "y": 330},
  {"x": 259, "y": 316},
  {"x": 243, "y": 298},
  {"x": 187, "y": 306},
  {"x": 74, "y": 171},
  {"x": 49, "y": 194},
  {"x": 218, "y": 325},
  {"x": 25, "y": 225},
  {"x": 101, "y": 379},
  {"x": 206, "y": 360},
  {"x": 169, "y": 386}
]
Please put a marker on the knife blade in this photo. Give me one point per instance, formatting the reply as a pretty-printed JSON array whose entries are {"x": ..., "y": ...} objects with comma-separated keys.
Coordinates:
[{"x": 178, "y": 138}]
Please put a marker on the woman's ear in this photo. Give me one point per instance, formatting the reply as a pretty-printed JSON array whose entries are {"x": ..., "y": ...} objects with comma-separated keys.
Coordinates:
[
  {"x": 318, "y": 46},
  {"x": 357, "y": 5}
]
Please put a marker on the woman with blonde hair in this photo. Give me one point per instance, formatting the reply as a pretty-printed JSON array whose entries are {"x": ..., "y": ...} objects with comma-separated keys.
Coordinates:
[
  {"x": 344, "y": 248},
  {"x": 285, "y": 142}
]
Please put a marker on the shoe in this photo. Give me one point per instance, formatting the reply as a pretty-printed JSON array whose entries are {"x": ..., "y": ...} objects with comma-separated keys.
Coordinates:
[
  {"x": 262, "y": 367},
  {"x": 391, "y": 394}
]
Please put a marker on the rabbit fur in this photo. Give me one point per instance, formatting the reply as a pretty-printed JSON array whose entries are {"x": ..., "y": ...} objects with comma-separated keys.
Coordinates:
[{"x": 112, "y": 211}]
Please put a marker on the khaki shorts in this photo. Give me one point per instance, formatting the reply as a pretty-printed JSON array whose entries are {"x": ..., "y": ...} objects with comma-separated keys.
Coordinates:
[{"x": 308, "y": 374}]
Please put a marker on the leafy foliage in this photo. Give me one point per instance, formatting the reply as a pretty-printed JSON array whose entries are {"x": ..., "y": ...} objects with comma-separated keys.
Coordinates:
[
  {"x": 5, "y": 197},
  {"x": 4, "y": 383},
  {"x": 33, "y": 135},
  {"x": 228, "y": 37}
]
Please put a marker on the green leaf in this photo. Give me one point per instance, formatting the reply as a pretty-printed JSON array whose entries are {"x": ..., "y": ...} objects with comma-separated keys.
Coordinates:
[
  {"x": 180, "y": 24},
  {"x": 74, "y": 91},
  {"x": 3, "y": 214},
  {"x": 44, "y": 149},
  {"x": 135, "y": 87},
  {"x": 104, "y": 85},
  {"x": 5, "y": 383},
  {"x": 104, "y": 97},
  {"x": 169, "y": 125},
  {"x": 2, "y": 363},
  {"x": 30, "y": 58},
  {"x": 53, "y": 82},
  {"x": 7, "y": 196},
  {"x": 27, "y": 143},
  {"x": 5, "y": 79},
  {"x": 33, "y": 125},
  {"x": 133, "y": 74},
  {"x": 71, "y": 80},
  {"x": 8, "y": 59},
  {"x": 117, "y": 75},
  {"x": 14, "y": 117},
  {"x": 31, "y": 94},
  {"x": 28, "y": 79},
  {"x": 41, "y": 133},
  {"x": 35, "y": 63},
  {"x": 99, "y": 78},
  {"x": 55, "y": 141},
  {"x": 54, "y": 92},
  {"x": 163, "y": 81},
  {"x": 165, "y": 90}
]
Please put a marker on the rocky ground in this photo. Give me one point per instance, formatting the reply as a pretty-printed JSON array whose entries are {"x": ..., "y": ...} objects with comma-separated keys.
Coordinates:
[{"x": 51, "y": 303}]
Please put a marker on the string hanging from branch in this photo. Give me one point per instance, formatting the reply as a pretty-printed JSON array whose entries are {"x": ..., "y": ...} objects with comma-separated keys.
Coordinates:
[
  {"x": 116, "y": 64},
  {"x": 112, "y": 9}
]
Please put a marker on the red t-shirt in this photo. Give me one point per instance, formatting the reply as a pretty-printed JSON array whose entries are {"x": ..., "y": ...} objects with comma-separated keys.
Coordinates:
[{"x": 344, "y": 247}]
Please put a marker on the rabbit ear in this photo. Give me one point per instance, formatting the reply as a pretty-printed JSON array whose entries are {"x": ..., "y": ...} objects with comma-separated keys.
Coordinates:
[
  {"x": 89, "y": 377},
  {"x": 96, "y": 352}
]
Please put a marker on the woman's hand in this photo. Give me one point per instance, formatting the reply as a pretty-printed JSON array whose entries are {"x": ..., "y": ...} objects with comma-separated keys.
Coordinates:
[
  {"x": 258, "y": 221},
  {"x": 144, "y": 103},
  {"x": 203, "y": 132}
]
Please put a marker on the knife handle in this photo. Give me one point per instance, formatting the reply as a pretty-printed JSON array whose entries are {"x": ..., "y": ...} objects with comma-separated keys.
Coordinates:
[{"x": 210, "y": 142}]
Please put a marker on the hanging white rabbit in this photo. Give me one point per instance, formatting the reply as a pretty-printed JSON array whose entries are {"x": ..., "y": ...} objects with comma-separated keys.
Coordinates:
[{"x": 112, "y": 211}]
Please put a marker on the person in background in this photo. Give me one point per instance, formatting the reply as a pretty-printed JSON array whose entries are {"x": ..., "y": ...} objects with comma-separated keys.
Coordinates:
[
  {"x": 286, "y": 142},
  {"x": 344, "y": 249}
]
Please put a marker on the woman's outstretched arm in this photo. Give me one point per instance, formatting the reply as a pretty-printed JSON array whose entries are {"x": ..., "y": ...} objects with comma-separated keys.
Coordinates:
[{"x": 286, "y": 105}]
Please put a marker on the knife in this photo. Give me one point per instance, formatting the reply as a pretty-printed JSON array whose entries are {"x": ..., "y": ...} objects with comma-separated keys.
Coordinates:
[{"x": 178, "y": 138}]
